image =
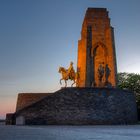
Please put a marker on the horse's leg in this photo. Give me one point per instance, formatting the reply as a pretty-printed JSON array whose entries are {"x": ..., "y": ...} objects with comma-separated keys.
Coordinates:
[
  {"x": 65, "y": 83},
  {"x": 73, "y": 83},
  {"x": 60, "y": 81}
]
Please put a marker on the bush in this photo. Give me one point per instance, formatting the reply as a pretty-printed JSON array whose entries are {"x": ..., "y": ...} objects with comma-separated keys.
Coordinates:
[{"x": 130, "y": 81}]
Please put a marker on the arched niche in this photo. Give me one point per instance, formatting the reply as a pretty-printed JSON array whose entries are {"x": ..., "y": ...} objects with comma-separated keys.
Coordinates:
[{"x": 99, "y": 56}]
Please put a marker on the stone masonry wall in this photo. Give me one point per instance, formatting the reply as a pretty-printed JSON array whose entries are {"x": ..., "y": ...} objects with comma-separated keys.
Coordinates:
[
  {"x": 83, "y": 106},
  {"x": 26, "y": 99}
]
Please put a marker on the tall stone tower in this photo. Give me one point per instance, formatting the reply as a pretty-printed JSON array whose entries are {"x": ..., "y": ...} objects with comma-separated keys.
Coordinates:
[{"x": 96, "y": 51}]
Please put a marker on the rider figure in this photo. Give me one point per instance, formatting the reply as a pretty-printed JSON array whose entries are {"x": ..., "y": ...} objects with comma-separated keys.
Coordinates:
[{"x": 71, "y": 70}]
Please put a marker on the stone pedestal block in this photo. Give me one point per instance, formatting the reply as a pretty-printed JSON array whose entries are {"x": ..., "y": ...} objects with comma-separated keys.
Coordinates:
[{"x": 78, "y": 106}]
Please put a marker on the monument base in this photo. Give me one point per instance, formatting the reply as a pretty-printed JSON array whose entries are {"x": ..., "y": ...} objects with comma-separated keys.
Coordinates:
[{"x": 82, "y": 106}]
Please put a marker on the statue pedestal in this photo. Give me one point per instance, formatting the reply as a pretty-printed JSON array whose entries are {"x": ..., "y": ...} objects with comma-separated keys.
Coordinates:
[{"x": 83, "y": 106}]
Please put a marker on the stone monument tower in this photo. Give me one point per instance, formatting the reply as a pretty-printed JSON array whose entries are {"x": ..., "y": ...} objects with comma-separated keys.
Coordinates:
[{"x": 96, "y": 51}]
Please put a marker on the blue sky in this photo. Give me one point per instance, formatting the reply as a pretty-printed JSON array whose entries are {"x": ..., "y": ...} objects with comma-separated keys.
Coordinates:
[{"x": 38, "y": 36}]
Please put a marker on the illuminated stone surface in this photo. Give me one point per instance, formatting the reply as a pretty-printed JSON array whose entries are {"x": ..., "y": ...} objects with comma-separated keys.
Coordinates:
[{"x": 96, "y": 47}]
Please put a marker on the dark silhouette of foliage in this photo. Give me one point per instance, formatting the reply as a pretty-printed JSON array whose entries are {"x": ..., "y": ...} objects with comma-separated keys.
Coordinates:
[{"x": 130, "y": 81}]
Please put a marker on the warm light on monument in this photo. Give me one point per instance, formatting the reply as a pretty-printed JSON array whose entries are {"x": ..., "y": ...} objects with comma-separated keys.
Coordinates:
[{"x": 96, "y": 50}]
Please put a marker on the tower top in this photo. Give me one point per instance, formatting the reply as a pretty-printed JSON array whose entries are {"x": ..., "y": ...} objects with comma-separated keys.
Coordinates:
[
  {"x": 96, "y": 9},
  {"x": 96, "y": 13}
]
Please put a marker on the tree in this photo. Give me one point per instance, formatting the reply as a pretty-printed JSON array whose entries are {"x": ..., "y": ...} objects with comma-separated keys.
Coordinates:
[{"x": 130, "y": 81}]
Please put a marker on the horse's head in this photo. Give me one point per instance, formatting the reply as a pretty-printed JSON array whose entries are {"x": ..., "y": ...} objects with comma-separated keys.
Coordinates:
[{"x": 61, "y": 69}]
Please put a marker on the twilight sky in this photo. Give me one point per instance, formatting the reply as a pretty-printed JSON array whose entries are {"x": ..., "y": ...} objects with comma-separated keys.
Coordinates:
[{"x": 38, "y": 36}]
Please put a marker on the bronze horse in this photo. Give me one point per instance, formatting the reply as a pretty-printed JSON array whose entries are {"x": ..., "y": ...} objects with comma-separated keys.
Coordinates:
[{"x": 73, "y": 76}]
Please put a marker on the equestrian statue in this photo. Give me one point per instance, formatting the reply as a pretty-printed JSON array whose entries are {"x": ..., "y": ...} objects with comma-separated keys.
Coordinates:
[{"x": 69, "y": 74}]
